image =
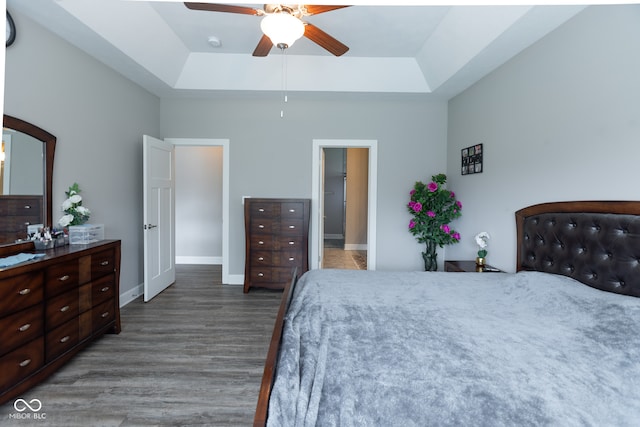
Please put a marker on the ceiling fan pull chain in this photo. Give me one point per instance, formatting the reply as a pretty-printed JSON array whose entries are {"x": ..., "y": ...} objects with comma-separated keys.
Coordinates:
[{"x": 284, "y": 80}]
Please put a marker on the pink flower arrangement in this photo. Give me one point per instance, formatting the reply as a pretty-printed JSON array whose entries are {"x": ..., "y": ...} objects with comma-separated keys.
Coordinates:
[{"x": 433, "y": 207}]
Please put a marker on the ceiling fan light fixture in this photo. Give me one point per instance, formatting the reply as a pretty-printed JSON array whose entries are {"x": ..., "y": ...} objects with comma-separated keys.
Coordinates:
[{"x": 282, "y": 29}]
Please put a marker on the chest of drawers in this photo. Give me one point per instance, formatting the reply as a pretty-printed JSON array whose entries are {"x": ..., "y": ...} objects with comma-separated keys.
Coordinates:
[
  {"x": 52, "y": 307},
  {"x": 277, "y": 241}
]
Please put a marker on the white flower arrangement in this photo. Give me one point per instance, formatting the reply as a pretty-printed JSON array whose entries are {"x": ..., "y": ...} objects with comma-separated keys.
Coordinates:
[
  {"x": 75, "y": 213},
  {"x": 482, "y": 240}
]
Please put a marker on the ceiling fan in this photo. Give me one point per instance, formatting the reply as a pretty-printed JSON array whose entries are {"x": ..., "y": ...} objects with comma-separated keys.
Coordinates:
[{"x": 280, "y": 16}]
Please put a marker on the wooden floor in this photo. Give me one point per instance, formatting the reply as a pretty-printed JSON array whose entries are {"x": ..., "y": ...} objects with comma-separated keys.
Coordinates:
[{"x": 193, "y": 356}]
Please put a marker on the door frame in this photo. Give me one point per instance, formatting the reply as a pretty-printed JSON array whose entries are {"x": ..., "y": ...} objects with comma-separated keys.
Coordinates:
[
  {"x": 316, "y": 190},
  {"x": 225, "y": 144}
]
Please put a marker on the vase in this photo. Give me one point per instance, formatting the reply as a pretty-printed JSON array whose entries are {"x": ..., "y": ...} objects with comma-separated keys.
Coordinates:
[
  {"x": 480, "y": 261},
  {"x": 430, "y": 256}
]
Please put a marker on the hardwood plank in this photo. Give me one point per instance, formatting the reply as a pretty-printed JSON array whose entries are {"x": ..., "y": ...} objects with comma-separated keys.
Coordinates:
[{"x": 194, "y": 355}]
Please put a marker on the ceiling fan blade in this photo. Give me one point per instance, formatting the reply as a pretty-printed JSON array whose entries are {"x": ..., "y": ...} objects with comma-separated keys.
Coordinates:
[
  {"x": 264, "y": 46},
  {"x": 313, "y": 9},
  {"x": 212, "y": 7},
  {"x": 324, "y": 40}
]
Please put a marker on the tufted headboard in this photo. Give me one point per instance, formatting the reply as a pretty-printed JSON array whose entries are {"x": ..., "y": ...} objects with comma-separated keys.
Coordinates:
[{"x": 595, "y": 242}]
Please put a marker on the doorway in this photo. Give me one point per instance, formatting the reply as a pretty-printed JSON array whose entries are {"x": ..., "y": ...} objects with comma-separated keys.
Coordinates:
[
  {"x": 345, "y": 208},
  {"x": 224, "y": 145},
  {"x": 358, "y": 230}
]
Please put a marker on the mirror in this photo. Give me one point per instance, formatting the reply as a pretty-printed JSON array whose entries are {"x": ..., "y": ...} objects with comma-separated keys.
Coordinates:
[{"x": 26, "y": 175}]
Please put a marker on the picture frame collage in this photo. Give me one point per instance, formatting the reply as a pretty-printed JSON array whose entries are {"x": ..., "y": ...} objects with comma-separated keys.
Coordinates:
[{"x": 472, "y": 159}]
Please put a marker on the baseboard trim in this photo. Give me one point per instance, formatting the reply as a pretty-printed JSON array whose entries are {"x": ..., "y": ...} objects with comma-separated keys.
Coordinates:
[
  {"x": 334, "y": 236},
  {"x": 205, "y": 260},
  {"x": 355, "y": 247},
  {"x": 235, "y": 279},
  {"x": 131, "y": 295}
]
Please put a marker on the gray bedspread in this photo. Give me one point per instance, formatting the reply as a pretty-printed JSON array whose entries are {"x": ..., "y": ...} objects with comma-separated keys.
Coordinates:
[{"x": 367, "y": 348}]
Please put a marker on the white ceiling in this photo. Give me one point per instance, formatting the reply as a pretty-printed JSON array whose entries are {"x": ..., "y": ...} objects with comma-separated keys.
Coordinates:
[{"x": 162, "y": 45}]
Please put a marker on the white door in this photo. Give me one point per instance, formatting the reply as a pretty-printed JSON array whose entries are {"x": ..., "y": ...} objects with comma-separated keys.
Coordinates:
[{"x": 159, "y": 211}]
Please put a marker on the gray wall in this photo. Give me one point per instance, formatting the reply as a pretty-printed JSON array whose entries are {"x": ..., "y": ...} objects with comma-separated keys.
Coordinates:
[
  {"x": 98, "y": 118},
  {"x": 334, "y": 172},
  {"x": 561, "y": 121},
  {"x": 271, "y": 156},
  {"x": 198, "y": 184}
]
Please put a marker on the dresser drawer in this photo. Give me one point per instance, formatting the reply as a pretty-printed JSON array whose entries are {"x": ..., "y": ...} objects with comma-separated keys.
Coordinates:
[
  {"x": 288, "y": 259},
  {"x": 264, "y": 209},
  {"x": 292, "y": 210},
  {"x": 102, "y": 263},
  {"x": 21, "y": 327},
  {"x": 264, "y": 225},
  {"x": 262, "y": 259},
  {"x": 283, "y": 243},
  {"x": 270, "y": 275},
  {"x": 21, "y": 206},
  {"x": 103, "y": 314},
  {"x": 17, "y": 224},
  {"x": 62, "y": 308},
  {"x": 291, "y": 227},
  {"x": 103, "y": 289},
  {"x": 260, "y": 241},
  {"x": 20, "y": 291},
  {"x": 62, "y": 277},
  {"x": 62, "y": 339},
  {"x": 21, "y": 363}
]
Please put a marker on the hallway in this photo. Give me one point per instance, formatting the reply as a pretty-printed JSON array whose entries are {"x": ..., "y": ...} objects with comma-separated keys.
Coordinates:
[{"x": 335, "y": 257}]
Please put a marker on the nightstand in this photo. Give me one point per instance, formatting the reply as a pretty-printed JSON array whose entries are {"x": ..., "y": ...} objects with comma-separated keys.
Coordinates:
[{"x": 468, "y": 267}]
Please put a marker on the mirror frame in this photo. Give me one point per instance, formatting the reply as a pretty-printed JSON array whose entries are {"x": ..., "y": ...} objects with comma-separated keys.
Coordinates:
[{"x": 49, "y": 146}]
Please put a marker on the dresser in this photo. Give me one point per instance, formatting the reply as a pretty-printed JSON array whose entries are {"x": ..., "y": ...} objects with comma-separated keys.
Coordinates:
[
  {"x": 277, "y": 241},
  {"x": 52, "y": 307}
]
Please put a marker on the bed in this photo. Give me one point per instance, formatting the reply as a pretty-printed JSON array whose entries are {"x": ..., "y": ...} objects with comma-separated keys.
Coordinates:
[{"x": 556, "y": 343}]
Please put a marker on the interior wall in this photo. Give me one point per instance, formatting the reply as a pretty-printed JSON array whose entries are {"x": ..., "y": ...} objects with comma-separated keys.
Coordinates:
[
  {"x": 334, "y": 172},
  {"x": 561, "y": 121},
  {"x": 198, "y": 184},
  {"x": 357, "y": 198},
  {"x": 99, "y": 118},
  {"x": 272, "y": 156}
]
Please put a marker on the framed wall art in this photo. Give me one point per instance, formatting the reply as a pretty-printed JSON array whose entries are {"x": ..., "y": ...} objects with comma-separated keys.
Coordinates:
[{"x": 472, "y": 159}]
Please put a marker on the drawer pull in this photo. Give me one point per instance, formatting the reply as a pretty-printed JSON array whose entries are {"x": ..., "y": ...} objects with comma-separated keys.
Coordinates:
[
  {"x": 292, "y": 243},
  {"x": 261, "y": 210},
  {"x": 24, "y": 327},
  {"x": 260, "y": 274},
  {"x": 65, "y": 339},
  {"x": 292, "y": 210},
  {"x": 64, "y": 278},
  {"x": 260, "y": 226},
  {"x": 292, "y": 259},
  {"x": 105, "y": 314},
  {"x": 105, "y": 289},
  {"x": 24, "y": 363},
  {"x": 27, "y": 206},
  {"x": 260, "y": 242},
  {"x": 25, "y": 291},
  {"x": 292, "y": 227},
  {"x": 65, "y": 308},
  {"x": 103, "y": 263},
  {"x": 261, "y": 258}
]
